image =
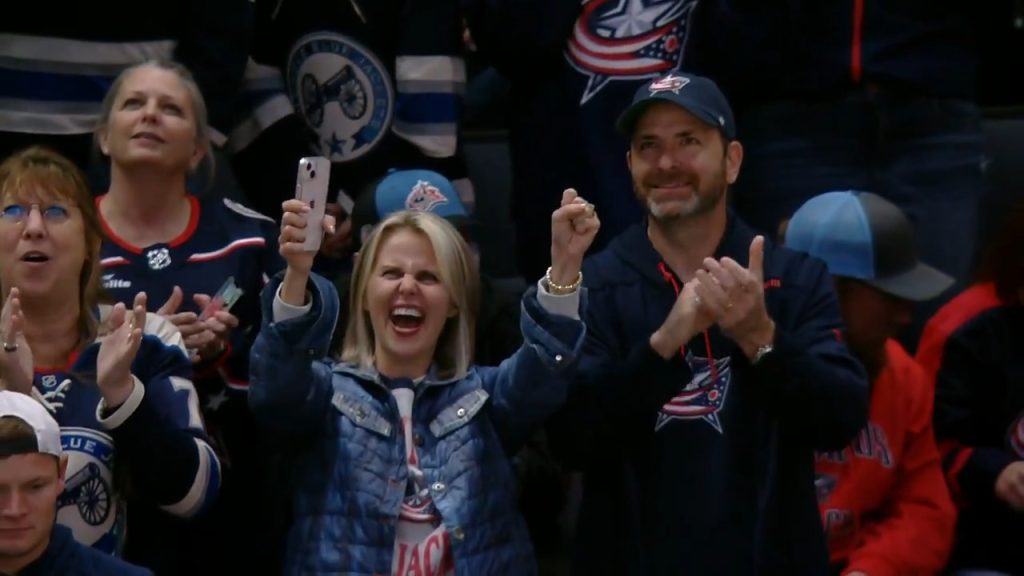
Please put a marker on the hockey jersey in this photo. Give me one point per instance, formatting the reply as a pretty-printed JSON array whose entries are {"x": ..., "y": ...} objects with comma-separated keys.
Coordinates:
[
  {"x": 223, "y": 240},
  {"x": 372, "y": 86},
  {"x": 154, "y": 442}
]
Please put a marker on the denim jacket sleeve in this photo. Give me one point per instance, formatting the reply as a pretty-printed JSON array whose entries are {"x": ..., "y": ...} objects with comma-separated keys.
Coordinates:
[
  {"x": 290, "y": 378},
  {"x": 531, "y": 385}
]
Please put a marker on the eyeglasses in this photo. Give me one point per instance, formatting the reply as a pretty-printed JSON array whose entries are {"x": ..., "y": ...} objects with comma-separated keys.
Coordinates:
[{"x": 19, "y": 212}]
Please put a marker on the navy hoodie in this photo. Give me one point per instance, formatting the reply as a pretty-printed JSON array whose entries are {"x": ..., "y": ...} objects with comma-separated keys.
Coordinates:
[
  {"x": 67, "y": 557},
  {"x": 703, "y": 464}
]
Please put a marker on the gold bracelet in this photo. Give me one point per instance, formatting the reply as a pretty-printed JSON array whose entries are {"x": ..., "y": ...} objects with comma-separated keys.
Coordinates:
[{"x": 558, "y": 288}]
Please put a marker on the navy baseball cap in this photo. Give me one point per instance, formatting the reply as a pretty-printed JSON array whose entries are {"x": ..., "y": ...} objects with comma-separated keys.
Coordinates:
[
  {"x": 864, "y": 236},
  {"x": 697, "y": 95},
  {"x": 423, "y": 190}
]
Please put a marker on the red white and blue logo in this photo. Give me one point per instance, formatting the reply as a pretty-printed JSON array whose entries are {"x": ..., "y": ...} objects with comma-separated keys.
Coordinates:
[
  {"x": 628, "y": 40},
  {"x": 703, "y": 396},
  {"x": 424, "y": 196}
]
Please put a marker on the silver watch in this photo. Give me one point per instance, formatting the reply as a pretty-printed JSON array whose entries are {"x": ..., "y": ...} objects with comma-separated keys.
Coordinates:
[{"x": 761, "y": 352}]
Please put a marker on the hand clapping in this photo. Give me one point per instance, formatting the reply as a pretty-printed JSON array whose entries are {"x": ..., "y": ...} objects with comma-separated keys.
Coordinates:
[
  {"x": 16, "y": 358},
  {"x": 117, "y": 351},
  {"x": 734, "y": 297}
]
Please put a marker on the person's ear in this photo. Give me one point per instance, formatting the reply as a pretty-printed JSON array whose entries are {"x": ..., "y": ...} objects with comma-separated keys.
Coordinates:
[
  {"x": 198, "y": 153},
  {"x": 103, "y": 140},
  {"x": 733, "y": 160},
  {"x": 62, "y": 470}
]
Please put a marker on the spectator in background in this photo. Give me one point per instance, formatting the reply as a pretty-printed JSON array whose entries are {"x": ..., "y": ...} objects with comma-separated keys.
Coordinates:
[
  {"x": 572, "y": 67},
  {"x": 973, "y": 349},
  {"x": 883, "y": 499},
  {"x": 56, "y": 69},
  {"x": 372, "y": 85},
  {"x": 712, "y": 369},
  {"x": 181, "y": 250},
  {"x": 116, "y": 379},
  {"x": 854, "y": 95},
  {"x": 33, "y": 473}
]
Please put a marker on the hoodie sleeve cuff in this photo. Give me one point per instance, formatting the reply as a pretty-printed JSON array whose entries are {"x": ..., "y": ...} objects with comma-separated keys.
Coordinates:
[
  {"x": 284, "y": 311},
  {"x": 567, "y": 305}
]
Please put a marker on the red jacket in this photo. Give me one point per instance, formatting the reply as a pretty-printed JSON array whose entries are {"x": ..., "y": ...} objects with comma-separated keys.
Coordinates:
[
  {"x": 883, "y": 500},
  {"x": 942, "y": 330}
]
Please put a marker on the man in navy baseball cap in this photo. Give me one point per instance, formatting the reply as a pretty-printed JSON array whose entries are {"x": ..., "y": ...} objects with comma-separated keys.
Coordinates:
[{"x": 697, "y": 95}]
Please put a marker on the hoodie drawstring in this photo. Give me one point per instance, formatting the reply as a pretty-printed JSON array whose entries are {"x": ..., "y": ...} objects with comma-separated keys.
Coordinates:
[{"x": 671, "y": 279}]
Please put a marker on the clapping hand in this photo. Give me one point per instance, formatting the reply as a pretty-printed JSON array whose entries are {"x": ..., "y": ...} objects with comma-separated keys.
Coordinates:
[
  {"x": 16, "y": 356},
  {"x": 117, "y": 351},
  {"x": 199, "y": 339},
  {"x": 734, "y": 297}
]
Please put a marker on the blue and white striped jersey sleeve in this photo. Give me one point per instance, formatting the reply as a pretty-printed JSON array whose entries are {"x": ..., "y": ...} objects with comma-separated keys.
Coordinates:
[{"x": 159, "y": 430}]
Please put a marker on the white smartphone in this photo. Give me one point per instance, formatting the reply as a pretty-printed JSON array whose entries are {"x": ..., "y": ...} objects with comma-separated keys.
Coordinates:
[{"x": 311, "y": 187}]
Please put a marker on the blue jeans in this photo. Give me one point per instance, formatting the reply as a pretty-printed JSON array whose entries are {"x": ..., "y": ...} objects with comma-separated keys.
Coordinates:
[{"x": 926, "y": 155}]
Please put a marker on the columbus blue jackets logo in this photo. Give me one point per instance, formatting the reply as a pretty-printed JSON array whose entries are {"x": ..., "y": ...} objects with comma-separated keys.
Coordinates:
[
  {"x": 671, "y": 83},
  {"x": 628, "y": 40},
  {"x": 88, "y": 505},
  {"x": 703, "y": 397},
  {"x": 424, "y": 196},
  {"x": 343, "y": 92}
]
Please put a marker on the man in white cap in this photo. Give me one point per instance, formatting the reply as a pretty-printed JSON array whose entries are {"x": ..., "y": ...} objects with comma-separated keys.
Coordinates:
[{"x": 32, "y": 475}]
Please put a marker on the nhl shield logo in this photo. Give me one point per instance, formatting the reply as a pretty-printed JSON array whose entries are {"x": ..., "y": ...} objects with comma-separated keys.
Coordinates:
[
  {"x": 343, "y": 93},
  {"x": 158, "y": 258}
]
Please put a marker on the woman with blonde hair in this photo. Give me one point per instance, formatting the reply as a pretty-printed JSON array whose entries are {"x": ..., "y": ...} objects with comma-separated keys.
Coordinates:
[
  {"x": 181, "y": 248},
  {"x": 117, "y": 380},
  {"x": 403, "y": 447}
]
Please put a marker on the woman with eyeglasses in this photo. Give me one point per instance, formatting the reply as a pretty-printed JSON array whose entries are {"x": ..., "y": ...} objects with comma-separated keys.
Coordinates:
[{"x": 115, "y": 378}]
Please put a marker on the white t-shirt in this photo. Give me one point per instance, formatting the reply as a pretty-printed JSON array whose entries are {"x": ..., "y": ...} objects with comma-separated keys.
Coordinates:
[{"x": 422, "y": 547}]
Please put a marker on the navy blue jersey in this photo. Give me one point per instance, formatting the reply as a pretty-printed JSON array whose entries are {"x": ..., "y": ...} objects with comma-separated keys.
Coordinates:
[
  {"x": 223, "y": 239},
  {"x": 157, "y": 435}
]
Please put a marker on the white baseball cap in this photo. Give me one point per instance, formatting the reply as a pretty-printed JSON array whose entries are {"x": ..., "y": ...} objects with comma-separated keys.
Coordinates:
[{"x": 29, "y": 409}]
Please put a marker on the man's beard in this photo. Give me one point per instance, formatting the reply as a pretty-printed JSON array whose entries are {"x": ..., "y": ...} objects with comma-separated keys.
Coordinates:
[{"x": 703, "y": 200}]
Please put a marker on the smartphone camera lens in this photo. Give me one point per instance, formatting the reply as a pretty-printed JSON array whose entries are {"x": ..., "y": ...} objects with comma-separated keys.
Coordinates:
[{"x": 312, "y": 174}]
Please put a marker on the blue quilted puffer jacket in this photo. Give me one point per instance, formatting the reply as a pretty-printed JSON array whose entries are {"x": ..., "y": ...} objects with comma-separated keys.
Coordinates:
[{"x": 343, "y": 424}]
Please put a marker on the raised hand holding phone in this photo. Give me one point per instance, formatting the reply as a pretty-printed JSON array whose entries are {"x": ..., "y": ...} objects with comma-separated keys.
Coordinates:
[
  {"x": 311, "y": 188},
  {"x": 303, "y": 221}
]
